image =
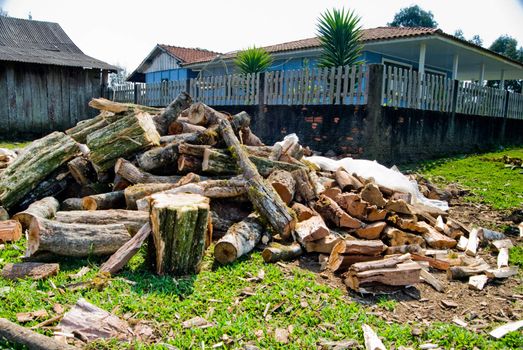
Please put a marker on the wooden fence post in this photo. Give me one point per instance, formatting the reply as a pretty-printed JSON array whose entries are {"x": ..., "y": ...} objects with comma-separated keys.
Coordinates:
[
  {"x": 135, "y": 93},
  {"x": 455, "y": 98}
]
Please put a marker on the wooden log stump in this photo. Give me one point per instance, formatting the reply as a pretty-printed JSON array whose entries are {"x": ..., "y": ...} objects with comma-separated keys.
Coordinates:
[
  {"x": 284, "y": 184},
  {"x": 136, "y": 192},
  {"x": 131, "y": 173},
  {"x": 74, "y": 240},
  {"x": 278, "y": 252},
  {"x": 239, "y": 240},
  {"x": 10, "y": 231},
  {"x": 124, "y": 137},
  {"x": 109, "y": 200},
  {"x": 201, "y": 114},
  {"x": 37, "y": 161},
  {"x": 179, "y": 225},
  {"x": 132, "y": 220},
  {"x": 45, "y": 208}
]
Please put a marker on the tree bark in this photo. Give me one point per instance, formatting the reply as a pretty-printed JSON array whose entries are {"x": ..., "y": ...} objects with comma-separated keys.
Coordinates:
[
  {"x": 124, "y": 137},
  {"x": 109, "y": 200},
  {"x": 179, "y": 226},
  {"x": 34, "y": 341},
  {"x": 72, "y": 204},
  {"x": 132, "y": 220},
  {"x": 74, "y": 240},
  {"x": 37, "y": 161},
  {"x": 278, "y": 252},
  {"x": 304, "y": 187},
  {"x": 189, "y": 164},
  {"x": 171, "y": 112},
  {"x": 220, "y": 225},
  {"x": 262, "y": 196},
  {"x": 122, "y": 256},
  {"x": 31, "y": 270},
  {"x": 45, "y": 208},
  {"x": 163, "y": 159},
  {"x": 239, "y": 240},
  {"x": 54, "y": 185},
  {"x": 85, "y": 127},
  {"x": 82, "y": 171},
  {"x": 10, "y": 231},
  {"x": 284, "y": 184},
  {"x": 134, "y": 175}
]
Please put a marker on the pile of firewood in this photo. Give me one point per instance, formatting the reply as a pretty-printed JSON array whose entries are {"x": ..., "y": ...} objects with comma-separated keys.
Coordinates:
[{"x": 187, "y": 175}]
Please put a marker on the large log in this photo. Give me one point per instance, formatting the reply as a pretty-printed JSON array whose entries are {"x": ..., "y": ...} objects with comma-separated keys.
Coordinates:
[
  {"x": 109, "y": 200},
  {"x": 134, "y": 175},
  {"x": 332, "y": 212},
  {"x": 10, "y": 231},
  {"x": 45, "y": 208},
  {"x": 284, "y": 184},
  {"x": 124, "y": 137},
  {"x": 262, "y": 196},
  {"x": 118, "y": 107},
  {"x": 82, "y": 171},
  {"x": 37, "y": 161},
  {"x": 278, "y": 252},
  {"x": 23, "y": 336},
  {"x": 239, "y": 240},
  {"x": 122, "y": 256},
  {"x": 201, "y": 114},
  {"x": 133, "y": 220},
  {"x": 179, "y": 225},
  {"x": 54, "y": 185},
  {"x": 74, "y": 240},
  {"x": 171, "y": 112}
]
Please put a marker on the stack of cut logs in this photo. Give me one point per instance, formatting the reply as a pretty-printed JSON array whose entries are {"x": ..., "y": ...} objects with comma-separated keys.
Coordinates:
[{"x": 187, "y": 175}]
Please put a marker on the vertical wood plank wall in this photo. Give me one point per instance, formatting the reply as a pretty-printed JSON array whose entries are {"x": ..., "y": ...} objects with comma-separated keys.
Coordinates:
[{"x": 36, "y": 99}]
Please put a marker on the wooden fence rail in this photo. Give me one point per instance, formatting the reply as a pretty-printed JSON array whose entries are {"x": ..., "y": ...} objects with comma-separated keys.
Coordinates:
[{"x": 480, "y": 100}]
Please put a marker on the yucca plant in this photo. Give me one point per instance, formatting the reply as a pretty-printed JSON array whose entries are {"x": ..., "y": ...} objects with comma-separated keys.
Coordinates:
[
  {"x": 339, "y": 33},
  {"x": 253, "y": 60}
]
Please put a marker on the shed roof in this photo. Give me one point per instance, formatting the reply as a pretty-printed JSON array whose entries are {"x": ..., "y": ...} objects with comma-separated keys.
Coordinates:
[{"x": 30, "y": 41}]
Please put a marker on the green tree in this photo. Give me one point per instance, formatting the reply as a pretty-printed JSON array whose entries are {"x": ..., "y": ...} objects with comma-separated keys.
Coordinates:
[
  {"x": 413, "y": 16},
  {"x": 253, "y": 60},
  {"x": 476, "y": 40},
  {"x": 507, "y": 46},
  {"x": 339, "y": 32},
  {"x": 458, "y": 33},
  {"x": 3, "y": 12}
]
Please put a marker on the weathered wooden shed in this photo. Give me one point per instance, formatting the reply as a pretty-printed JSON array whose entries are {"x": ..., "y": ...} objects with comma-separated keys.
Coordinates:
[{"x": 46, "y": 81}]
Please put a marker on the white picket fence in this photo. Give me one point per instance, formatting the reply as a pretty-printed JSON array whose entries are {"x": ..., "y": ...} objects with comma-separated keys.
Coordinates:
[
  {"x": 224, "y": 90},
  {"x": 480, "y": 100},
  {"x": 515, "y": 106},
  {"x": 408, "y": 89},
  {"x": 317, "y": 86}
]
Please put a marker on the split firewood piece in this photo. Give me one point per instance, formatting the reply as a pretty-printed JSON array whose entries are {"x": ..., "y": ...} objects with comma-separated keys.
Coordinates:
[
  {"x": 10, "y": 231},
  {"x": 74, "y": 240},
  {"x": 463, "y": 272},
  {"x": 408, "y": 224},
  {"x": 85, "y": 127},
  {"x": 323, "y": 245},
  {"x": 179, "y": 224},
  {"x": 332, "y": 212},
  {"x": 433, "y": 281},
  {"x": 402, "y": 274},
  {"x": 289, "y": 147},
  {"x": 346, "y": 181},
  {"x": 162, "y": 159},
  {"x": 72, "y": 204},
  {"x": 501, "y": 331},
  {"x": 122, "y": 256},
  {"x": 433, "y": 262},
  {"x": 372, "y": 342},
  {"x": 302, "y": 212},
  {"x": 477, "y": 282},
  {"x": 24, "y": 336},
  {"x": 360, "y": 247},
  {"x": 339, "y": 261},
  {"x": 462, "y": 243},
  {"x": 380, "y": 264},
  {"x": 398, "y": 206},
  {"x": 372, "y": 194},
  {"x": 45, "y": 208},
  {"x": 311, "y": 229},
  {"x": 240, "y": 239},
  {"x": 354, "y": 205},
  {"x": 316, "y": 183},
  {"x": 262, "y": 196},
  {"x": 134, "y": 175},
  {"x": 440, "y": 224},
  {"x": 502, "y": 243},
  {"x": 473, "y": 242},
  {"x": 189, "y": 164},
  {"x": 182, "y": 126},
  {"x": 402, "y": 249},
  {"x": 124, "y": 137},
  {"x": 502, "y": 259},
  {"x": 520, "y": 228},
  {"x": 133, "y": 220},
  {"x": 407, "y": 197},
  {"x": 283, "y": 184},
  {"x": 37, "y": 161},
  {"x": 435, "y": 239},
  {"x": 171, "y": 112},
  {"x": 336, "y": 194},
  {"x": 82, "y": 171},
  {"x": 104, "y": 104},
  {"x": 278, "y": 252},
  {"x": 397, "y": 237},
  {"x": 109, "y": 200},
  {"x": 31, "y": 270},
  {"x": 304, "y": 186},
  {"x": 371, "y": 231},
  {"x": 501, "y": 273},
  {"x": 375, "y": 214}
]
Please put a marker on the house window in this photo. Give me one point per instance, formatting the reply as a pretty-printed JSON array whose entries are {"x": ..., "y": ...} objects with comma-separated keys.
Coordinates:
[{"x": 395, "y": 64}]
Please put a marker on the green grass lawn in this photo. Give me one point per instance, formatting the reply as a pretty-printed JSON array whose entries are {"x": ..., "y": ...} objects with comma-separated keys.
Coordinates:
[
  {"x": 13, "y": 144},
  {"x": 489, "y": 181}
]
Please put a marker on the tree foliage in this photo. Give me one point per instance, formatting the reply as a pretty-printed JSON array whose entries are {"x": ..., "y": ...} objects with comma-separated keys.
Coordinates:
[
  {"x": 476, "y": 40},
  {"x": 413, "y": 16},
  {"x": 458, "y": 33},
  {"x": 253, "y": 60},
  {"x": 3, "y": 12},
  {"x": 507, "y": 46},
  {"x": 339, "y": 32}
]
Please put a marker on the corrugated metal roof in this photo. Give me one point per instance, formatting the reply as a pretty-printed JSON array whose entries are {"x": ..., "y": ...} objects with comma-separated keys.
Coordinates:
[{"x": 29, "y": 41}]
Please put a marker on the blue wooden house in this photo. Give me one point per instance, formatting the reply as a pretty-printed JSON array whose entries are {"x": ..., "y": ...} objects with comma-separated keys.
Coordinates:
[{"x": 424, "y": 50}]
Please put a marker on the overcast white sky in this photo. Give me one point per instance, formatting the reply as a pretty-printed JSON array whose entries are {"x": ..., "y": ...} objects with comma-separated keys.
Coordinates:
[{"x": 124, "y": 32}]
